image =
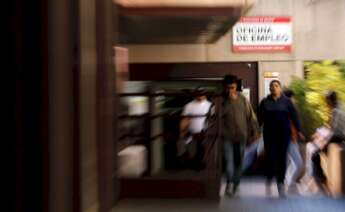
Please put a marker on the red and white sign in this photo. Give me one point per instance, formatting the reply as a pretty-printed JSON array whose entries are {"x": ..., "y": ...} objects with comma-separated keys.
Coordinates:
[{"x": 262, "y": 34}]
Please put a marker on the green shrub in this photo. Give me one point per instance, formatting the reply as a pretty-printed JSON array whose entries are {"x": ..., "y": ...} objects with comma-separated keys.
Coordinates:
[{"x": 309, "y": 93}]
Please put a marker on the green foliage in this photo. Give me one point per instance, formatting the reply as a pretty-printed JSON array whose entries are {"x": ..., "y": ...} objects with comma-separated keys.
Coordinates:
[
  {"x": 341, "y": 64},
  {"x": 309, "y": 119},
  {"x": 309, "y": 93}
]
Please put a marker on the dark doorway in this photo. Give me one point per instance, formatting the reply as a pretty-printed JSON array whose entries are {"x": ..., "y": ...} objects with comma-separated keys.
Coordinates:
[{"x": 247, "y": 71}]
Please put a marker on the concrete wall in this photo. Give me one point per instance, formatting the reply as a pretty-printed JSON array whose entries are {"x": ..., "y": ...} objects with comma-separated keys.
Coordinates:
[
  {"x": 318, "y": 30},
  {"x": 185, "y": 3},
  {"x": 167, "y": 53},
  {"x": 286, "y": 70}
]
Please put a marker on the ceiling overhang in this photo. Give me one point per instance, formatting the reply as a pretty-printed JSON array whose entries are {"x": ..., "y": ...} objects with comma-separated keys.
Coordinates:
[{"x": 177, "y": 21}]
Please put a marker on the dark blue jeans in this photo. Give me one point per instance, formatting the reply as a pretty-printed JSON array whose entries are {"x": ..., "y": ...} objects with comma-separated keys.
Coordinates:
[{"x": 233, "y": 155}]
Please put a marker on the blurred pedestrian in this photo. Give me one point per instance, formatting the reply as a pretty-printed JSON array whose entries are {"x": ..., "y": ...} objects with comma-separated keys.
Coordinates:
[
  {"x": 239, "y": 127},
  {"x": 295, "y": 166},
  {"x": 192, "y": 130},
  {"x": 337, "y": 118},
  {"x": 275, "y": 113}
]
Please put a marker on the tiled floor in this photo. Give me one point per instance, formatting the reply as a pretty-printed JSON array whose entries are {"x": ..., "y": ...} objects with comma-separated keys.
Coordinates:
[{"x": 251, "y": 197}]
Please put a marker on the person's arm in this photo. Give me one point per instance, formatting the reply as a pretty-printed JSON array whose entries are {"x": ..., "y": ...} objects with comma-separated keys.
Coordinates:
[
  {"x": 295, "y": 120},
  {"x": 338, "y": 123},
  {"x": 252, "y": 121},
  {"x": 261, "y": 113},
  {"x": 333, "y": 119},
  {"x": 184, "y": 123}
]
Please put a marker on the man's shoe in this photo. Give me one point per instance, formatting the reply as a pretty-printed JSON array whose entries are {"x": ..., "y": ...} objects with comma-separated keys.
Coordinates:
[
  {"x": 268, "y": 188},
  {"x": 292, "y": 189},
  {"x": 228, "y": 190},
  {"x": 235, "y": 188},
  {"x": 281, "y": 190}
]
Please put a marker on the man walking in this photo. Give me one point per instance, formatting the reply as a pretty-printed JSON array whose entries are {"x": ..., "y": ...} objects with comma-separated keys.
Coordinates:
[
  {"x": 192, "y": 129},
  {"x": 239, "y": 126}
]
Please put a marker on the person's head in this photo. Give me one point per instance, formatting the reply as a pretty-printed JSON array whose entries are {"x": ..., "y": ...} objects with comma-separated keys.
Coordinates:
[
  {"x": 230, "y": 84},
  {"x": 289, "y": 93},
  {"x": 275, "y": 88},
  {"x": 200, "y": 93},
  {"x": 331, "y": 99}
]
